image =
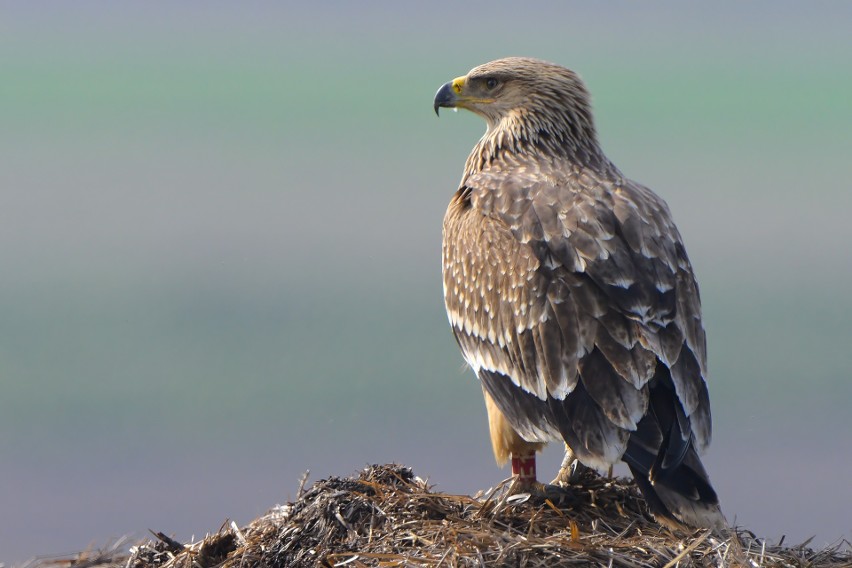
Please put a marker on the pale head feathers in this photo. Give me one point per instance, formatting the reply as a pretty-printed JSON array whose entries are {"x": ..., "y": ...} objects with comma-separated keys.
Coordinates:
[{"x": 531, "y": 106}]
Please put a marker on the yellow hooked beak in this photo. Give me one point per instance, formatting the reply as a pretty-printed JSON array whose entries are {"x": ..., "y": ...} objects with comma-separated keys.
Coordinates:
[{"x": 452, "y": 95}]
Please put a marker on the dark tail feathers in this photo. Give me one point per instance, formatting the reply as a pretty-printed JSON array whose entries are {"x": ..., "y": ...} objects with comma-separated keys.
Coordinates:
[
  {"x": 683, "y": 496},
  {"x": 662, "y": 458}
]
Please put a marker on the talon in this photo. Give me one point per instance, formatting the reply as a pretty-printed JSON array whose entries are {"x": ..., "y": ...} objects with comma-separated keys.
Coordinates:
[
  {"x": 570, "y": 470},
  {"x": 547, "y": 491},
  {"x": 532, "y": 487}
]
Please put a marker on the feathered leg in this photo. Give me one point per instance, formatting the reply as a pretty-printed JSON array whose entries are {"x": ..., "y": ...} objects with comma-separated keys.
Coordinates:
[{"x": 507, "y": 443}]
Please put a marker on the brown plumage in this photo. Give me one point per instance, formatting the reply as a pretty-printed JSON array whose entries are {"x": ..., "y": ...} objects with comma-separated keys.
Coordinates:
[{"x": 570, "y": 293}]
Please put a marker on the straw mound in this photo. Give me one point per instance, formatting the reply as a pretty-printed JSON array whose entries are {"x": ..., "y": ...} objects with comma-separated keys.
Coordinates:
[{"x": 388, "y": 517}]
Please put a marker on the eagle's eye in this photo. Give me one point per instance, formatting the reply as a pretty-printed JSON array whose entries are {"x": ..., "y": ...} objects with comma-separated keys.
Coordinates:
[{"x": 491, "y": 82}]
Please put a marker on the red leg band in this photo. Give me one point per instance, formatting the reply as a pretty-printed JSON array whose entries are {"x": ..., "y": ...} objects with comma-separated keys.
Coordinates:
[{"x": 523, "y": 466}]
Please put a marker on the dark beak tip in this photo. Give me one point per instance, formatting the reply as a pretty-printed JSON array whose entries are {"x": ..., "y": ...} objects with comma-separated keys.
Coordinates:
[{"x": 445, "y": 97}]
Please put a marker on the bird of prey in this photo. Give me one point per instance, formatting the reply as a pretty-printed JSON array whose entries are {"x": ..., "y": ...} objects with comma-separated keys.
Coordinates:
[{"x": 571, "y": 296}]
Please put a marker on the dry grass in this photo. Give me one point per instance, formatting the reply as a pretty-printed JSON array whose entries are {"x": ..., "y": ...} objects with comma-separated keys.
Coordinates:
[{"x": 388, "y": 517}]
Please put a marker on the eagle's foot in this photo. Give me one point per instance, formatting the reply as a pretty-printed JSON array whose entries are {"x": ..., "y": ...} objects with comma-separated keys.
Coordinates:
[
  {"x": 571, "y": 469},
  {"x": 536, "y": 491},
  {"x": 524, "y": 470},
  {"x": 549, "y": 492}
]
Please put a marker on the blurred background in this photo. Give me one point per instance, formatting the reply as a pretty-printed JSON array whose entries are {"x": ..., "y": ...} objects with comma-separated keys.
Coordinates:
[{"x": 220, "y": 232}]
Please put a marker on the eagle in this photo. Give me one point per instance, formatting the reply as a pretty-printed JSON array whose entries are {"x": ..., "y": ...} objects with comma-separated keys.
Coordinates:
[{"x": 571, "y": 296}]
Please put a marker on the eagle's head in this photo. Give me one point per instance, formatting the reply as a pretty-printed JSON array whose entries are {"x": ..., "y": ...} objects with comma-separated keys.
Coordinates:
[{"x": 526, "y": 101}]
